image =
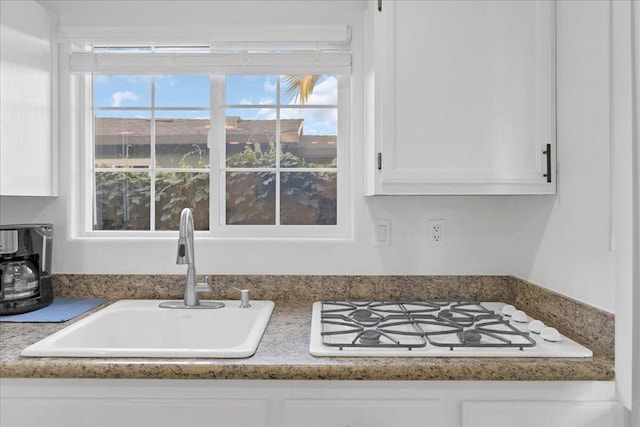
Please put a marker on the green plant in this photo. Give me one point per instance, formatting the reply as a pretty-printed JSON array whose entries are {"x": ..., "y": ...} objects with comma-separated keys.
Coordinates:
[
  {"x": 305, "y": 197},
  {"x": 122, "y": 201},
  {"x": 178, "y": 190},
  {"x": 123, "y": 198}
]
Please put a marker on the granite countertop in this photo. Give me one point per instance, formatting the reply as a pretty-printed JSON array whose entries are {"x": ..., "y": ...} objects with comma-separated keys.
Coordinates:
[{"x": 283, "y": 354}]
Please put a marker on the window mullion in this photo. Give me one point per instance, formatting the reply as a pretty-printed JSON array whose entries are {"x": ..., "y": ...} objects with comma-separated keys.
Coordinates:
[
  {"x": 217, "y": 177},
  {"x": 152, "y": 162},
  {"x": 89, "y": 116},
  {"x": 278, "y": 150}
]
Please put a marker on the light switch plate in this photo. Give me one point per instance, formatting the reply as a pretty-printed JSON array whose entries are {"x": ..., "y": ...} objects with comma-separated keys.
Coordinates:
[{"x": 382, "y": 232}]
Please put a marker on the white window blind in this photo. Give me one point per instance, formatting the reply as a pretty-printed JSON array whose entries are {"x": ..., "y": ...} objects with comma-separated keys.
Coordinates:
[
  {"x": 251, "y": 50},
  {"x": 318, "y": 62}
]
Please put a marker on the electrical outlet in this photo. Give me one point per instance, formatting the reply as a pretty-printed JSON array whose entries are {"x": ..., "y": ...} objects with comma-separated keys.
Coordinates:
[{"x": 436, "y": 232}]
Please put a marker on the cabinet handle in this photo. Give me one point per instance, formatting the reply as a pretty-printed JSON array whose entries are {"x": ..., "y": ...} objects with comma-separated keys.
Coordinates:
[
  {"x": 379, "y": 161},
  {"x": 547, "y": 152},
  {"x": 379, "y": 5}
]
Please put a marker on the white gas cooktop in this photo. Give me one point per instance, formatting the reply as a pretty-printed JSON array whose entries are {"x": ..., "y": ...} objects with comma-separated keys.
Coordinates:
[{"x": 433, "y": 328}]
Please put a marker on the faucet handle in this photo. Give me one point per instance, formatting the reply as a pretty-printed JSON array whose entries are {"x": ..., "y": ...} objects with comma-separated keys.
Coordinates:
[
  {"x": 244, "y": 297},
  {"x": 204, "y": 287}
]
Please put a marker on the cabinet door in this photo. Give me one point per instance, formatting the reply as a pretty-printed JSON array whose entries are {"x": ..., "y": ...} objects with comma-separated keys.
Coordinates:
[
  {"x": 539, "y": 414},
  {"x": 134, "y": 412},
  {"x": 463, "y": 97},
  {"x": 27, "y": 62},
  {"x": 365, "y": 413}
]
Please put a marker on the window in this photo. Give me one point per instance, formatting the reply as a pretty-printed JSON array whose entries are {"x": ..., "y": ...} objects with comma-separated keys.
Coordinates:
[
  {"x": 281, "y": 158},
  {"x": 252, "y": 154},
  {"x": 150, "y": 151}
]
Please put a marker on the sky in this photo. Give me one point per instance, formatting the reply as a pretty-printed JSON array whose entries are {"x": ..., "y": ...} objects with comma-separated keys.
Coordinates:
[{"x": 251, "y": 96}]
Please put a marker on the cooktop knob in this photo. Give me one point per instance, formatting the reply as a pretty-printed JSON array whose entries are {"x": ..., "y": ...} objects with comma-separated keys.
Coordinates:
[
  {"x": 536, "y": 326},
  {"x": 550, "y": 334},
  {"x": 508, "y": 310},
  {"x": 519, "y": 316}
]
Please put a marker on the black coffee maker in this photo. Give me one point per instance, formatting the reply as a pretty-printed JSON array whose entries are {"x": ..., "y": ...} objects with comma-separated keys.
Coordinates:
[{"x": 25, "y": 267}]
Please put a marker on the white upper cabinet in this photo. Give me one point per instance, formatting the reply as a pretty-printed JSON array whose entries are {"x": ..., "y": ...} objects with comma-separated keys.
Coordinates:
[
  {"x": 460, "y": 97},
  {"x": 28, "y": 121}
]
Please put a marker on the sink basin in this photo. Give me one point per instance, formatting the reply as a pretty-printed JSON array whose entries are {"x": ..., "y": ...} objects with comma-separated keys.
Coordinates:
[{"x": 139, "y": 328}]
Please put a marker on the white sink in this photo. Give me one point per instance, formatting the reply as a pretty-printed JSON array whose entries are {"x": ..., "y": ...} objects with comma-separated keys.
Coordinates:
[{"x": 139, "y": 328}]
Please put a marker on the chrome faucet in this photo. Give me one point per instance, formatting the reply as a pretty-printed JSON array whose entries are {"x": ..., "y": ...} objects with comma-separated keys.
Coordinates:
[
  {"x": 192, "y": 288},
  {"x": 186, "y": 251}
]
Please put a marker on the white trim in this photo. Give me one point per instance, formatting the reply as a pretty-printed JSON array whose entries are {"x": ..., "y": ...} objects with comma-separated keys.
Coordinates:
[
  {"x": 635, "y": 175},
  {"x": 216, "y": 151},
  {"x": 344, "y": 217},
  {"x": 341, "y": 230},
  {"x": 152, "y": 155},
  {"x": 278, "y": 194},
  {"x": 621, "y": 57},
  {"x": 223, "y": 37},
  {"x": 55, "y": 110},
  {"x": 87, "y": 153}
]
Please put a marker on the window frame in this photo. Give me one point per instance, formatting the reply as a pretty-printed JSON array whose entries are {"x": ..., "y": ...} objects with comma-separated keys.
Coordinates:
[
  {"x": 217, "y": 198},
  {"x": 153, "y": 170}
]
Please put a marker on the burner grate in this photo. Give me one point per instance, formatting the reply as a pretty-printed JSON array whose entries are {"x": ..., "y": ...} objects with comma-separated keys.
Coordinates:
[{"x": 412, "y": 324}]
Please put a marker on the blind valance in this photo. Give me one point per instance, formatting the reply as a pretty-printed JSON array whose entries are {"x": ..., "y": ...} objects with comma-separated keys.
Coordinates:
[{"x": 298, "y": 62}]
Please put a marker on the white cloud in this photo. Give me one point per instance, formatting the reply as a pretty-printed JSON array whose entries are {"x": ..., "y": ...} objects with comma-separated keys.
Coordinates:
[
  {"x": 317, "y": 121},
  {"x": 119, "y": 97},
  {"x": 270, "y": 86},
  {"x": 325, "y": 92},
  {"x": 261, "y": 101},
  {"x": 266, "y": 114}
]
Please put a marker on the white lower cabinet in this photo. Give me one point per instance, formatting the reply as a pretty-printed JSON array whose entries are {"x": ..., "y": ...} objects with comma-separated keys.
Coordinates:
[
  {"x": 111, "y": 411},
  {"x": 363, "y": 412},
  {"x": 249, "y": 403},
  {"x": 563, "y": 413}
]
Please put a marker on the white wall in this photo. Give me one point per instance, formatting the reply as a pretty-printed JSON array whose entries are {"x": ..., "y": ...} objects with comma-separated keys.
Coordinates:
[
  {"x": 564, "y": 243},
  {"x": 635, "y": 286},
  {"x": 478, "y": 228},
  {"x": 561, "y": 243},
  {"x": 625, "y": 220}
]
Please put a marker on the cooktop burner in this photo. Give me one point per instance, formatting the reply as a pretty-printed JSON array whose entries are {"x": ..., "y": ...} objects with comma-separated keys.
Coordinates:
[{"x": 433, "y": 328}]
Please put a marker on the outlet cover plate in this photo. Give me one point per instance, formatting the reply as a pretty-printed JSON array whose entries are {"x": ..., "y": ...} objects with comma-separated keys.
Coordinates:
[{"x": 436, "y": 232}]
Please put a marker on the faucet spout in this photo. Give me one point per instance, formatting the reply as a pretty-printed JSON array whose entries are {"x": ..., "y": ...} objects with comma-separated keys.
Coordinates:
[
  {"x": 186, "y": 252},
  {"x": 185, "y": 238},
  {"x": 186, "y": 256}
]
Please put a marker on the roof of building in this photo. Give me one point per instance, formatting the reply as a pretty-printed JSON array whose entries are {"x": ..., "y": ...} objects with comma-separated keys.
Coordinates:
[{"x": 138, "y": 130}]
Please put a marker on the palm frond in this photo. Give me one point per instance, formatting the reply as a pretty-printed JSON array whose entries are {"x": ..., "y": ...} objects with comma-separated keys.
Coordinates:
[{"x": 299, "y": 87}]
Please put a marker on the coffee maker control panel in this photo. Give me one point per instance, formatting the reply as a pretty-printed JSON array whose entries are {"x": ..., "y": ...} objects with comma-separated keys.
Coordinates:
[{"x": 8, "y": 241}]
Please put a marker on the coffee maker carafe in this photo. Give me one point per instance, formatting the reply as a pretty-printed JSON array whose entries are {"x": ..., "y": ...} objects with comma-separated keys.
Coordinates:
[{"x": 25, "y": 267}]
